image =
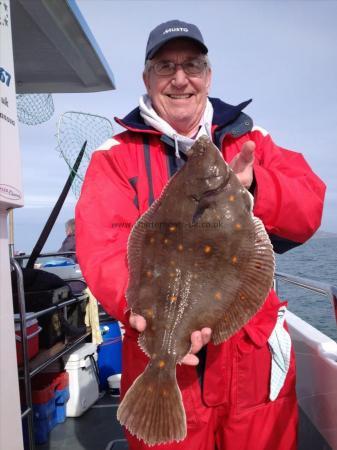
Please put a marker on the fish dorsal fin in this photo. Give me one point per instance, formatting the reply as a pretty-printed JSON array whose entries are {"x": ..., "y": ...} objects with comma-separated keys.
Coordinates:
[{"x": 255, "y": 285}]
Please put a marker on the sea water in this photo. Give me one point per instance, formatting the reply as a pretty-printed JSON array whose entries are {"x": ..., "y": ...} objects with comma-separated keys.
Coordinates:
[{"x": 316, "y": 259}]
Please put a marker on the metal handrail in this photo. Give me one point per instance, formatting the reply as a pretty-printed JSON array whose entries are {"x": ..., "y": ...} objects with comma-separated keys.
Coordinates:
[
  {"x": 27, "y": 374},
  {"x": 45, "y": 255},
  {"x": 28, "y": 389},
  {"x": 21, "y": 258},
  {"x": 79, "y": 298},
  {"x": 62, "y": 352},
  {"x": 324, "y": 289}
]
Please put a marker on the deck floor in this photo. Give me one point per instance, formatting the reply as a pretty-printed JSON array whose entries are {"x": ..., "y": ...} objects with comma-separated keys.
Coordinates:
[{"x": 98, "y": 429}]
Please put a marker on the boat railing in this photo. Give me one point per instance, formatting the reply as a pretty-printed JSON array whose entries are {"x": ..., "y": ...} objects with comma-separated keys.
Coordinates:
[
  {"x": 22, "y": 259},
  {"x": 325, "y": 289}
]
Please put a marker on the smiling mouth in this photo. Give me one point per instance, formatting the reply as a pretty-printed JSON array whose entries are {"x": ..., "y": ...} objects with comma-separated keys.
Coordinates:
[{"x": 179, "y": 96}]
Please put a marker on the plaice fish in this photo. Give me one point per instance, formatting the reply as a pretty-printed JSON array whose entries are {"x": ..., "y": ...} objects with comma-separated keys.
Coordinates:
[{"x": 197, "y": 258}]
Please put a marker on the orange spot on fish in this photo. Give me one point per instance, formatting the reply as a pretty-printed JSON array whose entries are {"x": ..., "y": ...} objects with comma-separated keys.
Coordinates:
[
  {"x": 242, "y": 296},
  {"x": 173, "y": 228},
  {"x": 231, "y": 198},
  {"x": 149, "y": 313},
  {"x": 218, "y": 295},
  {"x": 238, "y": 226},
  {"x": 152, "y": 240},
  {"x": 166, "y": 241},
  {"x": 172, "y": 263},
  {"x": 234, "y": 259},
  {"x": 173, "y": 298},
  {"x": 207, "y": 249},
  {"x": 161, "y": 364},
  {"x": 164, "y": 393},
  {"x": 149, "y": 274},
  {"x": 180, "y": 247}
]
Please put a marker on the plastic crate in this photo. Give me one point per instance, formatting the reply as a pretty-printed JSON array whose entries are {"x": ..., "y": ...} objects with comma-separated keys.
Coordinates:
[{"x": 50, "y": 393}]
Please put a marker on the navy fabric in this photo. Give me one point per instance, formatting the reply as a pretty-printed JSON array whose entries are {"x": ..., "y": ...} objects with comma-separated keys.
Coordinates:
[
  {"x": 148, "y": 168},
  {"x": 173, "y": 29},
  {"x": 282, "y": 245},
  {"x": 133, "y": 182},
  {"x": 134, "y": 121},
  {"x": 224, "y": 113}
]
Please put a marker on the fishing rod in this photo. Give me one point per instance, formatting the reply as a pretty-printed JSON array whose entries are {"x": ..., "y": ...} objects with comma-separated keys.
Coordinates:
[{"x": 56, "y": 210}]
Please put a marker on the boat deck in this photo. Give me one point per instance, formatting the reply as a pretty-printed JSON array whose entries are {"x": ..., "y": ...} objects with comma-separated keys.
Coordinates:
[{"x": 98, "y": 429}]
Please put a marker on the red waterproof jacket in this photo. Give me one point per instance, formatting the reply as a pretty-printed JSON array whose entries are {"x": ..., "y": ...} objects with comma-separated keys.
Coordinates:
[{"x": 125, "y": 177}]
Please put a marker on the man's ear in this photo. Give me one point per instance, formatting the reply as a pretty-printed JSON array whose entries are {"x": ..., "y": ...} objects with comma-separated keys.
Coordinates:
[
  {"x": 209, "y": 79},
  {"x": 146, "y": 81}
]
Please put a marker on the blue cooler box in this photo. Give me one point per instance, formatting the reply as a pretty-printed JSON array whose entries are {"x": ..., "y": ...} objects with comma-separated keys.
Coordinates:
[{"x": 109, "y": 352}]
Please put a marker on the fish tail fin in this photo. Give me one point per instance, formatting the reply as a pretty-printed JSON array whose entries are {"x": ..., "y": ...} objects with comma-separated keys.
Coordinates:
[{"x": 152, "y": 408}]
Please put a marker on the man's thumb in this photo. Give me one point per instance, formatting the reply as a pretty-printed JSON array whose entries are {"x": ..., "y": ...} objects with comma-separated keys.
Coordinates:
[{"x": 247, "y": 152}]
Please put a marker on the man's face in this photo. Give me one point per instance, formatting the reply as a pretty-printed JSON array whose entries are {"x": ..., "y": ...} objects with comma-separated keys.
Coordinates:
[{"x": 179, "y": 99}]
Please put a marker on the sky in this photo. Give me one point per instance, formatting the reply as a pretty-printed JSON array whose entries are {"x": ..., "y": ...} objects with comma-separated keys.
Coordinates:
[{"x": 282, "y": 54}]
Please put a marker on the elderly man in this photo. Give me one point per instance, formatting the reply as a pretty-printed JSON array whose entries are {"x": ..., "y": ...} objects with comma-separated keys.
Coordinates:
[{"x": 230, "y": 395}]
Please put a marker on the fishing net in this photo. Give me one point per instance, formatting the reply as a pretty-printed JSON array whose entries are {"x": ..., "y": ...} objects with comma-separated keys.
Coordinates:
[
  {"x": 74, "y": 128},
  {"x": 34, "y": 109}
]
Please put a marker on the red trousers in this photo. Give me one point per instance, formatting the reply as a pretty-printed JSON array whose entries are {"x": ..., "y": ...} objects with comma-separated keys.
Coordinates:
[
  {"x": 233, "y": 410},
  {"x": 269, "y": 427}
]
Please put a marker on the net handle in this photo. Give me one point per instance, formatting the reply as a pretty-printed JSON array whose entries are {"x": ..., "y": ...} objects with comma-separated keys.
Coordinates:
[{"x": 55, "y": 212}]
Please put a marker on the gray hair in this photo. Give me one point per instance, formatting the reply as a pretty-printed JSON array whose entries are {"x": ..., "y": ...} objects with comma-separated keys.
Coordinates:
[{"x": 70, "y": 225}]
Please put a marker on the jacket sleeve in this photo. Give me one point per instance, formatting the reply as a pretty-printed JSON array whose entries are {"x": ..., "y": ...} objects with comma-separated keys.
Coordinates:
[
  {"x": 105, "y": 214},
  {"x": 288, "y": 194}
]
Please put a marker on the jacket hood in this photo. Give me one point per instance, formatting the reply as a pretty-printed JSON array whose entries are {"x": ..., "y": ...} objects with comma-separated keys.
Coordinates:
[{"x": 223, "y": 114}]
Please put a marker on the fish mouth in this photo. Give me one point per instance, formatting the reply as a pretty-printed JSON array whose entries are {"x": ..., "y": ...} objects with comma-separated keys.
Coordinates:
[
  {"x": 223, "y": 182},
  {"x": 206, "y": 199},
  {"x": 212, "y": 192}
]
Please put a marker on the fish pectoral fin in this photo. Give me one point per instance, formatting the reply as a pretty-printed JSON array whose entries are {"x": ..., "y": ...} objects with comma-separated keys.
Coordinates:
[
  {"x": 197, "y": 214},
  {"x": 255, "y": 284},
  {"x": 203, "y": 204},
  {"x": 151, "y": 397}
]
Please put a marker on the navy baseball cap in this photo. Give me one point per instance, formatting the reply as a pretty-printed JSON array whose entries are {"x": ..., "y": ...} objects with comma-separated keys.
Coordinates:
[{"x": 173, "y": 29}]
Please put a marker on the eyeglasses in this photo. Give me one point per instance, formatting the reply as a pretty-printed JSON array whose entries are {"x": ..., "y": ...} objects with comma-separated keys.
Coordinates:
[{"x": 190, "y": 67}]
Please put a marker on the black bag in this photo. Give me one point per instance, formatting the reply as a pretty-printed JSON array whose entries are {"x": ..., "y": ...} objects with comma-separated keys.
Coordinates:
[
  {"x": 43, "y": 290},
  {"x": 75, "y": 323}
]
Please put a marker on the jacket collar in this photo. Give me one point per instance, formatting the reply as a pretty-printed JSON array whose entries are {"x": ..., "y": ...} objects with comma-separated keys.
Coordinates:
[{"x": 224, "y": 113}]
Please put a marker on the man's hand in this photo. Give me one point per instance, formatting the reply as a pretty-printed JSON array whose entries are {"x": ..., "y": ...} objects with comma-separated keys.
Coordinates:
[
  {"x": 242, "y": 164},
  {"x": 198, "y": 338},
  {"x": 138, "y": 322}
]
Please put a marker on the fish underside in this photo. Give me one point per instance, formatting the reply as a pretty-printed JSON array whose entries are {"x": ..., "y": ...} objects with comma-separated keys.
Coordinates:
[{"x": 197, "y": 258}]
